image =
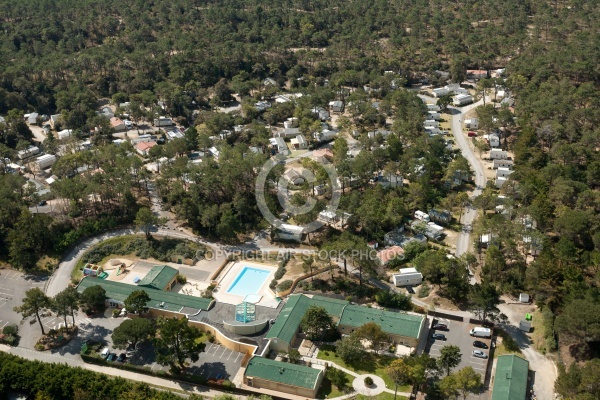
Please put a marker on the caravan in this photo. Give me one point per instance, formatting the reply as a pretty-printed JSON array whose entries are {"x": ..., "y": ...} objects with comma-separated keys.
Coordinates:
[{"x": 420, "y": 215}]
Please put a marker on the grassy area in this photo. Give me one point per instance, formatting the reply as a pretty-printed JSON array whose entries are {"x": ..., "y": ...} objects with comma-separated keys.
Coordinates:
[
  {"x": 329, "y": 390},
  {"x": 371, "y": 363},
  {"x": 537, "y": 336},
  {"x": 380, "y": 396},
  {"x": 507, "y": 346},
  {"x": 162, "y": 249}
]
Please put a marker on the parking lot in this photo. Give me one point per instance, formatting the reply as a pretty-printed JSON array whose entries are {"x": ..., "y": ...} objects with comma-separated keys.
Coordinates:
[
  {"x": 458, "y": 335},
  {"x": 13, "y": 285},
  {"x": 216, "y": 362}
]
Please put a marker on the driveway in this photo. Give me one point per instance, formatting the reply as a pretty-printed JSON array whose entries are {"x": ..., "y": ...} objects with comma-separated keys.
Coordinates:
[{"x": 544, "y": 368}]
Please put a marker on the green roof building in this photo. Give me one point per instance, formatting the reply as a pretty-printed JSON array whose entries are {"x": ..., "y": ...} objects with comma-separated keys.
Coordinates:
[
  {"x": 403, "y": 328},
  {"x": 161, "y": 277},
  {"x": 117, "y": 292},
  {"x": 286, "y": 326},
  {"x": 283, "y": 377},
  {"x": 510, "y": 380}
]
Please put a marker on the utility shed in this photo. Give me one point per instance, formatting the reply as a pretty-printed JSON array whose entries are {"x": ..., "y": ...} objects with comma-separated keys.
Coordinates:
[
  {"x": 161, "y": 277},
  {"x": 284, "y": 377},
  {"x": 510, "y": 380}
]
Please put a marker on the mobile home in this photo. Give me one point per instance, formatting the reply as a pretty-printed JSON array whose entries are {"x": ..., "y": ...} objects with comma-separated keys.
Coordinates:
[
  {"x": 407, "y": 277},
  {"x": 462, "y": 99}
]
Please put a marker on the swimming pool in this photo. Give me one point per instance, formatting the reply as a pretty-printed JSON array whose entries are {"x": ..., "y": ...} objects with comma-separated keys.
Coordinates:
[{"x": 249, "y": 281}]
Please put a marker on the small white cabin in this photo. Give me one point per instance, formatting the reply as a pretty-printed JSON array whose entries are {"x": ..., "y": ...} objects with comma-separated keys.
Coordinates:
[{"x": 407, "y": 277}]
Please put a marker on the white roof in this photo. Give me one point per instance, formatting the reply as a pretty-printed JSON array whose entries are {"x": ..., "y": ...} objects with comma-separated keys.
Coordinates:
[
  {"x": 291, "y": 228},
  {"x": 408, "y": 270}
]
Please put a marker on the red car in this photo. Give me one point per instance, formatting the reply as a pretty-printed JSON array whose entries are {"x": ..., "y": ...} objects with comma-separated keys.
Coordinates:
[{"x": 471, "y": 134}]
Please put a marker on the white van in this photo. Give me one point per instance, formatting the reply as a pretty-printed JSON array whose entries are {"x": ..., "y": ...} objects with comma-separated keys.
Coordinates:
[
  {"x": 481, "y": 332},
  {"x": 420, "y": 215}
]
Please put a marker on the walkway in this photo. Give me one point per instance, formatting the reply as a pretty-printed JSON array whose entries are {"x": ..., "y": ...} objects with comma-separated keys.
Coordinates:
[{"x": 359, "y": 380}]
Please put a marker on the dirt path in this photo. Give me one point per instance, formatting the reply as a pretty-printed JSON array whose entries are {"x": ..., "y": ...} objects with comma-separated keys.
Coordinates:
[{"x": 544, "y": 367}]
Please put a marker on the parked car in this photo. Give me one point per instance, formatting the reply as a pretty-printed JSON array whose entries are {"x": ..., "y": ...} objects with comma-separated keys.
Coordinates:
[
  {"x": 122, "y": 357},
  {"x": 480, "y": 344},
  {"x": 111, "y": 357},
  {"x": 105, "y": 352},
  {"x": 42, "y": 203},
  {"x": 440, "y": 327},
  {"x": 471, "y": 134},
  {"x": 479, "y": 354},
  {"x": 438, "y": 336}
]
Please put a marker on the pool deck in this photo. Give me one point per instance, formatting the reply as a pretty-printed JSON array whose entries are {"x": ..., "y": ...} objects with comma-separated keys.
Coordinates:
[{"x": 230, "y": 275}]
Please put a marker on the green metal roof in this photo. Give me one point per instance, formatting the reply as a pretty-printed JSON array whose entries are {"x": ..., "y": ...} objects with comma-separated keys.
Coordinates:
[
  {"x": 510, "y": 381},
  {"x": 159, "y": 299},
  {"x": 397, "y": 323},
  {"x": 288, "y": 321},
  {"x": 159, "y": 277},
  {"x": 282, "y": 372}
]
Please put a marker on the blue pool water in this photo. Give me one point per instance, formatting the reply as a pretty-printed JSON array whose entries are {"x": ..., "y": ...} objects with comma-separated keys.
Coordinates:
[{"x": 249, "y": 281}]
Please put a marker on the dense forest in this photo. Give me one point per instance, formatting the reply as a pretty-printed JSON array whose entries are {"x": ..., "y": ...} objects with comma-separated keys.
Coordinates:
[{"x": 58, "y": 56}]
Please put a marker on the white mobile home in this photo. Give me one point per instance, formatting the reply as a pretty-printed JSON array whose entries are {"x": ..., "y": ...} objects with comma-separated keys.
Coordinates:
[
  {"x": 434, "y": 115},
  {"x": 432, "y": 130},
  {"x": 499, "y": 182},
  {"x": 278, "y": 146},
  {"x": 30, "y": 151},
  {"x": 45, "y": 161},
  {"x": 433, "y": 107},
  {"x": 462, "y": 99},
  {"x": 421, "y": 216},
  {"x": 494, "y": 140},
  {"x": 291, "y": 122},
  {"x": 407, "y": 277},
  {"x": 434, "y": 231},
  {"x": 503, "y": 172},
  {"x": 65, "y": 133},
  {"x": 497, "y": 154},
  {"x": 289, "y": 232},
  {"x": 431, "y": 122},
  {"x": 472, "y": 123},
  {"x": 439, "y": 92},
  {"x": 299, "y": 142},
  {"x": 503, "y": 164}
]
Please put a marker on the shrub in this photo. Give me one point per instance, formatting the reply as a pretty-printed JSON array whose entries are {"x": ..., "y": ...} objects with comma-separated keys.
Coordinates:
[
  {"x": 273, "y": 284},
  {"x": 285, "y": 285},
  {"x": 280, "y": 272},
  {"x": 423, "y": 291},
  {"x": 10, "y": 330},
  {"x": 181, "y": 279},
  {"x": 368, "y": 381},
  {"x": 116, "y": 313}
]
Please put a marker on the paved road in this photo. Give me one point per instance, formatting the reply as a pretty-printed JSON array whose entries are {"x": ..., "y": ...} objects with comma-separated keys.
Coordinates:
[{"x": 458, "y": 116}]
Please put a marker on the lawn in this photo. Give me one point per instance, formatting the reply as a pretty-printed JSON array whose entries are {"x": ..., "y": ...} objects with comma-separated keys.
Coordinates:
[
  {"x": 371, "y": 364},
  {"x": 329, "y": 390}
]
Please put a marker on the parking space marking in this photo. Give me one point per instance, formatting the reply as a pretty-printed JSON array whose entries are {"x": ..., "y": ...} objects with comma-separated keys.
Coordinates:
[
  {"x": 224, "y": 351},
  {"x": 238, "y": 356},
  {"x": 3, "y": 304},
  {"x": 232, "y": 353},
  {"x": 6, "y": 323}
]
